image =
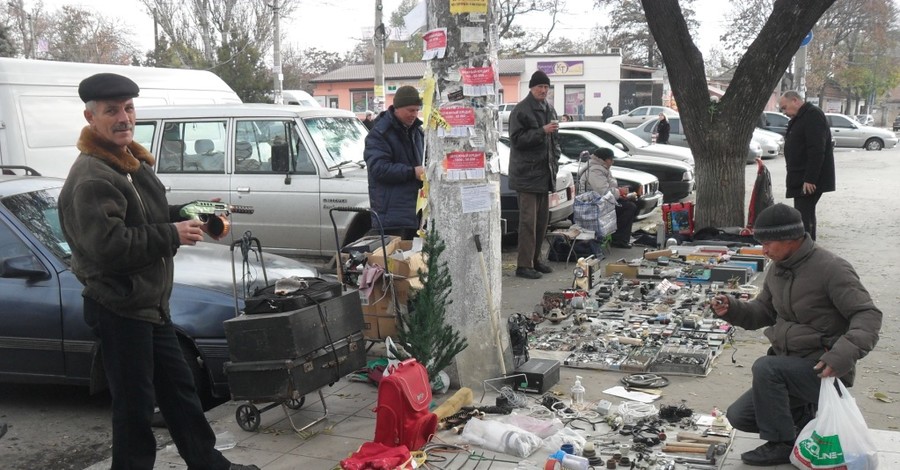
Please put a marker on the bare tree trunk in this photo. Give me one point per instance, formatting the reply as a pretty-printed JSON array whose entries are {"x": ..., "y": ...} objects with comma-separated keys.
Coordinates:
[{"x": 719, "y": 133}]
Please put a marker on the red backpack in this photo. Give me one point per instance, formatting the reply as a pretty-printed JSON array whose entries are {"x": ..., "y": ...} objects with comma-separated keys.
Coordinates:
[{"x": 401, "y": 415}]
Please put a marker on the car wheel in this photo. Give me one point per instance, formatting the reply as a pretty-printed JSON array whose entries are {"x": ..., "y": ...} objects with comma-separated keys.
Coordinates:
[
  {"x": 874, "y": 144},
  {"x": 619, "y": 123}
]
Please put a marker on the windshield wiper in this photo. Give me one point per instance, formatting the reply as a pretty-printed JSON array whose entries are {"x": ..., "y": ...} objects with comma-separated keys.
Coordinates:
[{"x": 346, "y": 163}]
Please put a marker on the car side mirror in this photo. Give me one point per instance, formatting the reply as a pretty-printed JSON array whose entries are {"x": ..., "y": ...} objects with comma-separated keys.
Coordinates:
[
  {"x": 23, "y": 267},
  {"x": 620, "y": 146}
]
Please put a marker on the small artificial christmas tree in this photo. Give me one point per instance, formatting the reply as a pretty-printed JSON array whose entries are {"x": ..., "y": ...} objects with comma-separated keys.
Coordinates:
[{"x": 423, "y": 332}]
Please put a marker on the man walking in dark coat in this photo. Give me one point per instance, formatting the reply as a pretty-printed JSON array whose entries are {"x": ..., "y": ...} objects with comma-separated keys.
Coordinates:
[
  {"x": 809, "y": 156},
  {"x": 394, "y": 154},
  {"x": 533, "y": 163},
  {"x": 819, "y": 319},
  {"x": 607, "y": 112}
]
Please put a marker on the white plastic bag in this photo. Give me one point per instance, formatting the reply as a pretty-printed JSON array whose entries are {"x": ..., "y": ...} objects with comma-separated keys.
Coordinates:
[
  {"x": 838, "y": 437},
  {"x": 501, "y": 437}
]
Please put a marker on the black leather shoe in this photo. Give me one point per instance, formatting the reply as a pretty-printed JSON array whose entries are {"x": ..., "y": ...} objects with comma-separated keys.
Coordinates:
[
  {"x": 616, "y": 244},
  {"x": 543, "y": 268},
  {"x": 769, "y": 454},
  {"x": 527, "y": 273}
]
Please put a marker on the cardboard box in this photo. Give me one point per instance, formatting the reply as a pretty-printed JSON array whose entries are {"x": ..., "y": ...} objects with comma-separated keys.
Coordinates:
[
  {"x": 630, "y": 272},
  {"x": 401, "y": 261},
  {"x": 379, "y": 327}
]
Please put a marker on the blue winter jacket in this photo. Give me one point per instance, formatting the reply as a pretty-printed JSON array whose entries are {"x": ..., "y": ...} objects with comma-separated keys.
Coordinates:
[{"x": 392, "y": 153}]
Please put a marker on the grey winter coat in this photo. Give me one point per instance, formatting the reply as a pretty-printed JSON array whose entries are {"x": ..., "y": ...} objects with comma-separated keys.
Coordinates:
[
  {"x": 534, "y": 154},
  {"x": 814, "y": 307},
  {"x": 600, "y": 179}
]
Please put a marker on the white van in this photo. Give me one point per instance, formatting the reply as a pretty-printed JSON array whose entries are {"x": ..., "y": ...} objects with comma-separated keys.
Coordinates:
[
  {"x": 299, "y": 97},
  {"x": 41, "y": 115}
]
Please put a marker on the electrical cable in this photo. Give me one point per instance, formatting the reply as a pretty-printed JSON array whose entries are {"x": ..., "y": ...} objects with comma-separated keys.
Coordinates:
[{"x": 631, "y": 411}]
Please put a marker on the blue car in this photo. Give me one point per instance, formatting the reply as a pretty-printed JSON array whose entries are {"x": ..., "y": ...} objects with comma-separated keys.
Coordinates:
[{"x": 43, "y": 337}]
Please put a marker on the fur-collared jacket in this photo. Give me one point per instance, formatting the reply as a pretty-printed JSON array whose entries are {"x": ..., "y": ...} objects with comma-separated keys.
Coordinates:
[
  {"x": 814, "y": 307},
  {"x": 119, "y": 226}
]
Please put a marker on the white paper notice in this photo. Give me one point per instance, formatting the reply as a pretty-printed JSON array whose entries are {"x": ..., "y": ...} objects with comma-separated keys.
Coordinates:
[
  {"x": 471, "y": 34},
  {"x": 476, "y": 198}
]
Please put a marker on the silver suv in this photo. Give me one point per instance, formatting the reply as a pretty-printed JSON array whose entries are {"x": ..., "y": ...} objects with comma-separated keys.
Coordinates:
[{"x": 292, "y": 164}]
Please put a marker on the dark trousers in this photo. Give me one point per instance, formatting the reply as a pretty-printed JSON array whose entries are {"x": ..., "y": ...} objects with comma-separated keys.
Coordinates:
[
  {"x": 807, "y": 207},
  {"x": 534, "y": 215},
  {"x": 143, "y": 361},
  {"x": 626, "y": 212},
  {"x": 784, "y": 388}
]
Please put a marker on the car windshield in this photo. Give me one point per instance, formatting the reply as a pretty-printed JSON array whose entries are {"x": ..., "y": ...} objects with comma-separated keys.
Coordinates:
[
  {"x": 339, "y": 139},
  {"x": 631, "y": 139},
  {"x": 37, "y": 211}
]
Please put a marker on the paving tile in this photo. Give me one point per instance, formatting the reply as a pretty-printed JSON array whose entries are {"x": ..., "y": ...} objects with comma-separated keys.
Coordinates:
[
  {"x": 355, "y": 426},
  {"x": 295, "y": 462},
  {"x": 328, "y": 447}
]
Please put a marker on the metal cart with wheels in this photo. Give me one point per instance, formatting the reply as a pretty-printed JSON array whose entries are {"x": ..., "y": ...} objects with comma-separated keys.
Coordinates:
[
  {"x": 279, "y": 358},
  {"x": 340, "y": 268}
]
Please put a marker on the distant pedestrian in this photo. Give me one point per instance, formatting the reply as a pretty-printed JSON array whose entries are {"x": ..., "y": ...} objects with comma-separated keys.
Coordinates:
[
  {"x": 394, "y": 155},
  {"x": 369, "y": 121},
  {"x": 607, "y": 112},
  {"x": 808, "y": 155},
  {"x": 580, "y": 110},
  {"x": 533, "y": 163},
  {"x": 662, "y": 129}
]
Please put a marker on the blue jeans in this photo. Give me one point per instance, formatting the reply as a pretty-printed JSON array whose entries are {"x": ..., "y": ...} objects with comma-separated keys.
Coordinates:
[
  {"x": 143, "y": 361},
  {"x": 783, "y": 389}
]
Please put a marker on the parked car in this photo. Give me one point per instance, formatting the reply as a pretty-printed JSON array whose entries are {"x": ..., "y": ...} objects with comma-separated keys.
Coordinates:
[
  {"x": 772, "y": 143},
  {"x": 676, "y": 179},
  {"x": 897, "y": 124},
  {"x": 44, "y": 336},
  {"x": 645, "y": 185},
  {"x": 505, "y": 109},
  {"x": 640, "y": 115},
  {"x": 865, "y": 119},
  {"x": 774, "y": 121},
  {"x": 677, "y": 137},
  {"x": 847, "y": 132},
  {"x": 629, "y": 142},
  {"x": 561, "y": 199}
]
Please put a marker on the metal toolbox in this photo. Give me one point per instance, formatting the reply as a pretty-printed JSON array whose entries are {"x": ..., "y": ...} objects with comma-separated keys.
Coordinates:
[
  {"x": 278, "y": 380},
  {"x": 289, "y": 335}
]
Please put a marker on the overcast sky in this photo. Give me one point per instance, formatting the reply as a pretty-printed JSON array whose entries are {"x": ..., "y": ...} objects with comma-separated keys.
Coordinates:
[{"x": 333, "y": 25}]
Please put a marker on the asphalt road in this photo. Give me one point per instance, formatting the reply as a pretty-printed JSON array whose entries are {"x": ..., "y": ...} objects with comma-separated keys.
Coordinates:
[{"x": 65, "y": 428}]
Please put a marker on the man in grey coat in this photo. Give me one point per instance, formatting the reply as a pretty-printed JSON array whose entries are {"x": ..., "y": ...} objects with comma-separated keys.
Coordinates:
[
  {"x": 533, "y": 163},
  {"x": 820, "y": 320}
]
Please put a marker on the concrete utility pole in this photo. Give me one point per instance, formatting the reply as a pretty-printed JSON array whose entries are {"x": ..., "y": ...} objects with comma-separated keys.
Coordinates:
[
  {"x": 475, "y": 311},
  {"x": 276, "y": 61},
  {"x": 379, "y": 38}
]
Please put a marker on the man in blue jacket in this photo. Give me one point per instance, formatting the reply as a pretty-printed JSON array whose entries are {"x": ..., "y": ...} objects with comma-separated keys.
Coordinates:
[{"x": 395, "y": 150}]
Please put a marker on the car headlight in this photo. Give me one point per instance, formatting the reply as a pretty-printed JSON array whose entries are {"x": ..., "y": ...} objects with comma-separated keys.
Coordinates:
[{"x": 687, "y": 176}]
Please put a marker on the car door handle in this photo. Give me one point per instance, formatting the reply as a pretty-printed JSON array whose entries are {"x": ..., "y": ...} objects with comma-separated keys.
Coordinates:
[{"x": 243, "y": 189}]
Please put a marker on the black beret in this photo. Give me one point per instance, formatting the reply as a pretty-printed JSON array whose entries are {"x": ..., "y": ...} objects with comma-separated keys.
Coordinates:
[
  {"x": 604, "y": 153},
  {"x": 105, "y": 86}
]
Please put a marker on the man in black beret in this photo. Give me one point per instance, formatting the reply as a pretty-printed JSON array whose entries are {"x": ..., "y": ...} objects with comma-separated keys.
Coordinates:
[
  {"x": 533, "y": 163},
  {"x": 820, "y": 320},
  {"x": 123, "y": 236}
]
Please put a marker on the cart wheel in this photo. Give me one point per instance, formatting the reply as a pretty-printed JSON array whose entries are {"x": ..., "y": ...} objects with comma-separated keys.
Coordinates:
[
  {"x": 295, "y": 403},
  {"x": 247, "y": 417}
]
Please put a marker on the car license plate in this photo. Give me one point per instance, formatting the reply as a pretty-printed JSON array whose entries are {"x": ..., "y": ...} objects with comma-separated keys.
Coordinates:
[{"x": 558, "y": 197}]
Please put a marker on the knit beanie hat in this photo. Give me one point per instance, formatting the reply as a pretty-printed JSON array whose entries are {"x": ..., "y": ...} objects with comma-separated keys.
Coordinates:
[
  {"x": 538, "y": 78},
  {"x": 778, "y": 222},
  {"x": 604, "y": 153},
  {"x": 407, "y": 96}
]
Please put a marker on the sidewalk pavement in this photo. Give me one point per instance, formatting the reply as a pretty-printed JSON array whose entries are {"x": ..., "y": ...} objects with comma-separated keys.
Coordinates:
[{"x": 351, "y": 422}]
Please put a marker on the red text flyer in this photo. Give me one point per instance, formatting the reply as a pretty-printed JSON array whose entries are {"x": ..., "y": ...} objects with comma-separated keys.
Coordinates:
[
  {"x": 435, "y": 44},
  {"x": 464, "y": 165},
  {"x": 461, "y": 120},
  {"x": 477, "y": 81}
]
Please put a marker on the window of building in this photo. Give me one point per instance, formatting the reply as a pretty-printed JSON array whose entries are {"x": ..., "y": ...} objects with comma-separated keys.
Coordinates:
[{"x": 362, "y": 100}]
